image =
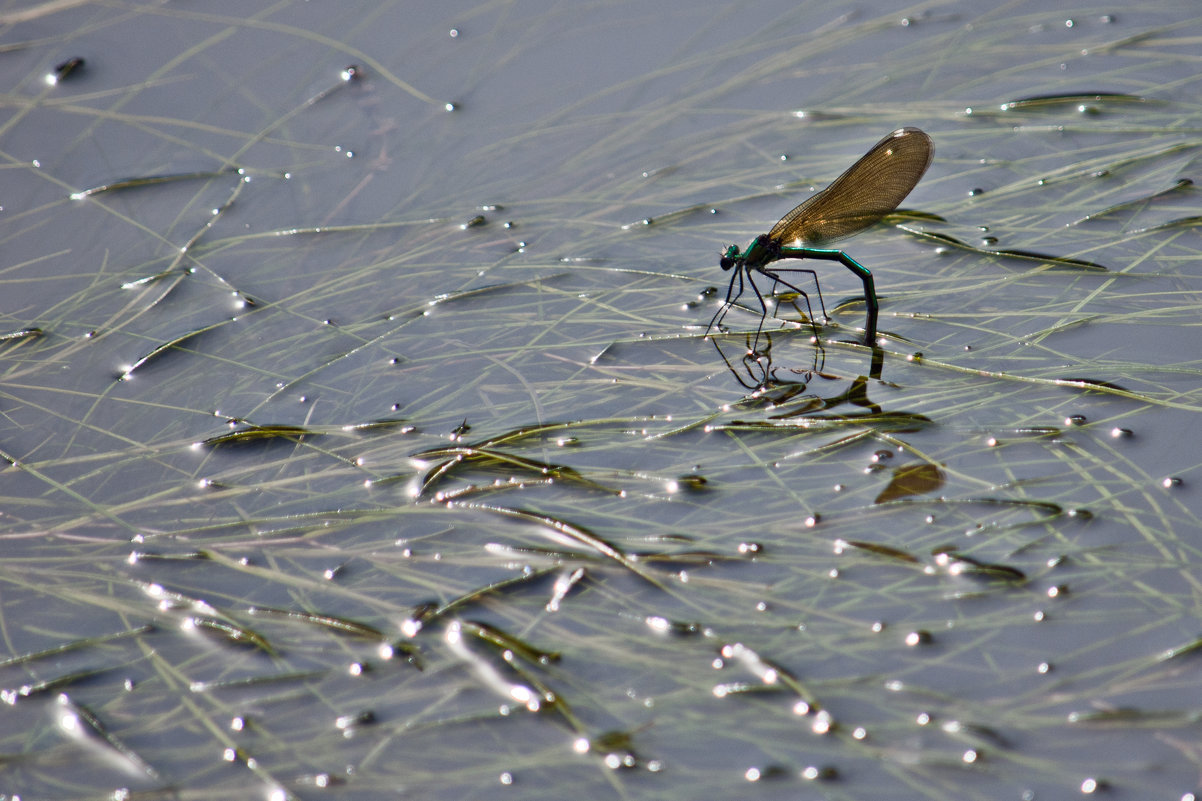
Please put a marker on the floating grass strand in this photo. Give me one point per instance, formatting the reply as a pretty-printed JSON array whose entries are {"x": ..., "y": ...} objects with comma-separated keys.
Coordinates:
[
  {"x": 152, "y": 180},
  {"x": 1180, "y": 222},
  {"x": 1093, "y": 385},
  {"x": 174, "y": 344},
  {"x": 259, "y": 433},
  {"x": 462, "y": 454},
  {"x": 666, "y": 217},
  {"x": 339, "y": 624},
  {"x": 423, "y": 614},
  {"x": 21, "y": 334},
  {"x": 1125, "y": 716},
  {"x": 878, "y": 549},
  {"x": 495, "y": 588},
  {"x": 1181, "y": 183},
  {"x": 574, "y": 533},
  {"x": 899, "y": 422},
  {"x": 74, "y": 645},
  {"x": 1043, "y": 102},
  {"x": 255, "y": 681},
  {"x": 155, "y": 556},
  {"x": 1007, "y": 253},
  {"x": 11, "y": 696}
]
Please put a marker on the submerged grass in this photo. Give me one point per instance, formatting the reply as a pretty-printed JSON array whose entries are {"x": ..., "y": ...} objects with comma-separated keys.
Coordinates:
[{"x": 425, "y": 479}]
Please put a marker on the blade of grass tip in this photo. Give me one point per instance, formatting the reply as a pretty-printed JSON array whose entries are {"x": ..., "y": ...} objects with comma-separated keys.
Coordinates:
[
  {"x": 1180, "y": 651},
  {"x": 174, "y": 344},
  {"x": 507, "y": 642},
  {"x": 959, "y": 564},
  {"x": 1180, "y": 222},
  {"x": 10, "y": 696},
  {"x": 436, "y": 474},
  {"x": 1089, "y": 383},
  {"x": 878, "y": 549},
  {"x": 76, "y": 718},
  {"x": 240, "y": 635},
  {"x": 425, "y": 613}
]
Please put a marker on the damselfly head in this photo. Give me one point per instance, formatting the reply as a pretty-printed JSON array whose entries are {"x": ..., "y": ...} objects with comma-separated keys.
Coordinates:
[{"x": 728, "y": 258}]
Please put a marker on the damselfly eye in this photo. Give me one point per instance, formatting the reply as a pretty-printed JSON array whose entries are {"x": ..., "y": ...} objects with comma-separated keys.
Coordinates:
[{"x": 726, "y": 262}]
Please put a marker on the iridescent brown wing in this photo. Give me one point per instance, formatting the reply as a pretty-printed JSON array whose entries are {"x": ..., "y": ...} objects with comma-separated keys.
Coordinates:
[{"x": 870, "y": 189}]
